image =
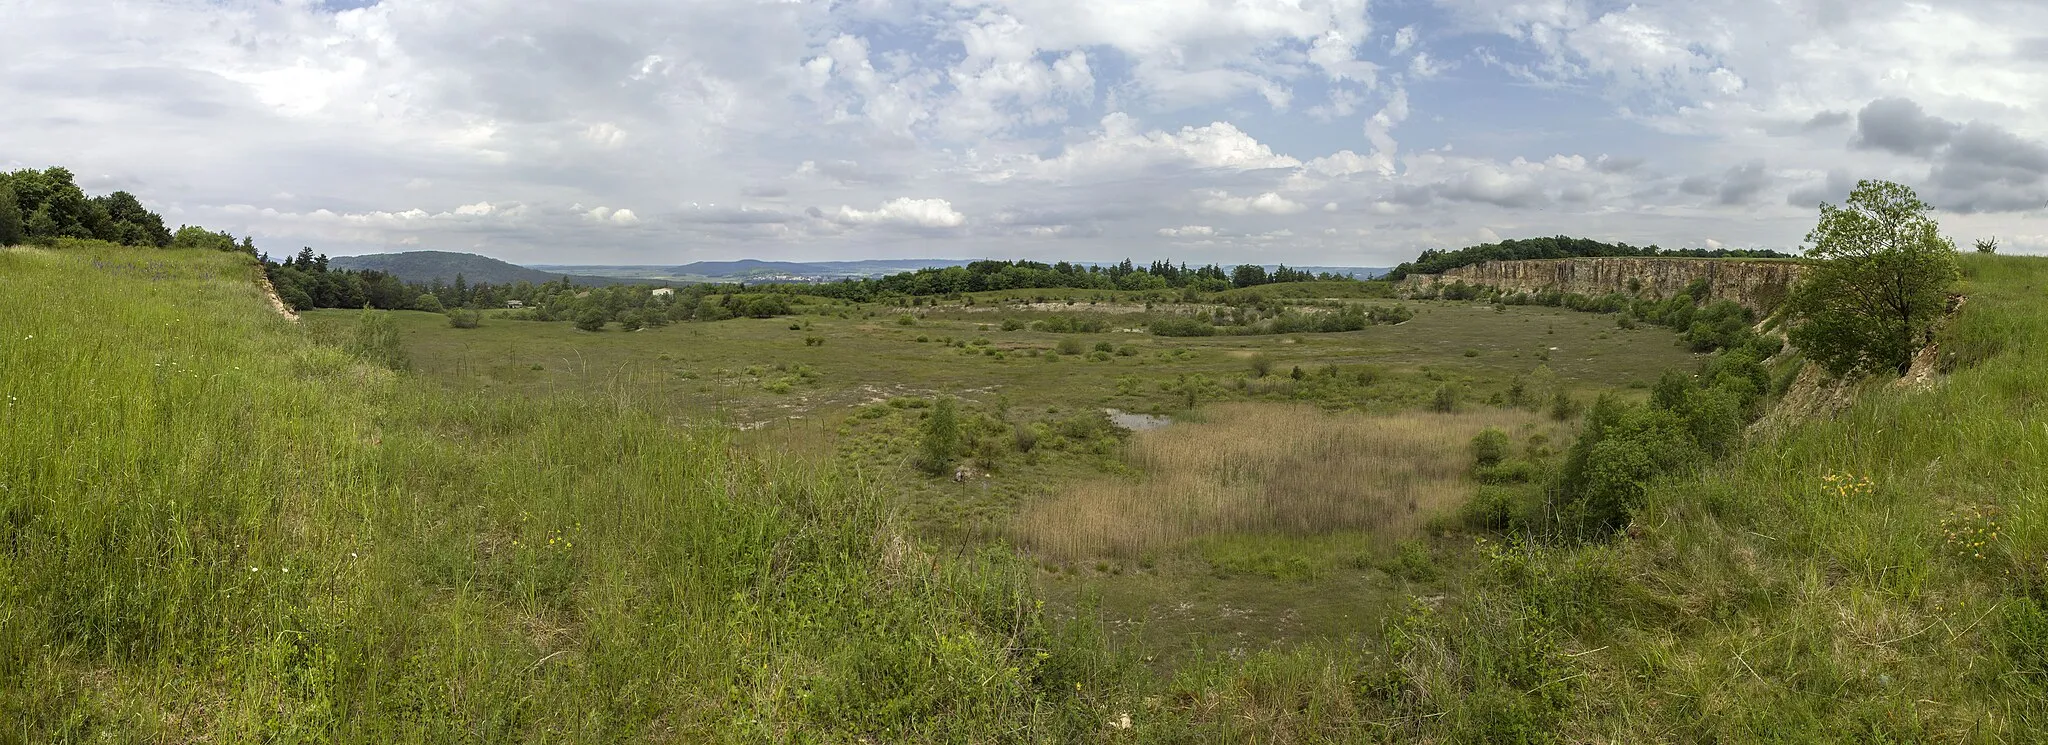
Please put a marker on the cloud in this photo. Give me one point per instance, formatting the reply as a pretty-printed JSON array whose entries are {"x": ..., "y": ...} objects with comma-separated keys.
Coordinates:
[
  {"x": 1988, "y": 169},
  {"x": 1268, "y": 203},
  {"x": 1834, "y": 189},
  {"x": 1744, "y": 182},
  {"x": 1118, "y": 148},
  {"x": 904, "y": 212},
  {"x": 609, "y": 215},
  {"x": 1899, "y": 126},
  {"x": 1188, "y": 231}
]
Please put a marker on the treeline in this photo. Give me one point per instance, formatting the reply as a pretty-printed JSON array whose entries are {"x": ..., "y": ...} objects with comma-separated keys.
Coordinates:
[
  {"x": 1437, "y": 261},
  {"x": 46, "y": 206},
  {"x": 983, "y": 276}
]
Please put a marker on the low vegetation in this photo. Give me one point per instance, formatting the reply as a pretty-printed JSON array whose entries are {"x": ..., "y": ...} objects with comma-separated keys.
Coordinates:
[
  {"x": 915, "y": 518},
  {"x": 1259, "y": 469}
]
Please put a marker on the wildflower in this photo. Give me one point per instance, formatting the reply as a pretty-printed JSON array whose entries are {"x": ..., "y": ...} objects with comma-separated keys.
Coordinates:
[
  {"x": 286, "y": 570},
  {"x": 254, "y": 569}
]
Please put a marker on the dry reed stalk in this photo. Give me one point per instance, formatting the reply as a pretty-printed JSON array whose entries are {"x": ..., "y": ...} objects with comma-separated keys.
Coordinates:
[{"x": 1263, "y": 468}]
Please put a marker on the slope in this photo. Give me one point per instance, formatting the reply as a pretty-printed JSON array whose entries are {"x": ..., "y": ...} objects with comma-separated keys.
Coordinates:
[{"x": 212, "y": 528}]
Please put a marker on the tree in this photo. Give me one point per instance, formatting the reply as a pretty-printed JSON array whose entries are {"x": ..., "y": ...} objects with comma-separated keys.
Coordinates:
[
  {"x": 12, "y": 230},
  {"x": 1879, "y": 278},
  {"x": 591, "y": 319},
  {"x": 941, "y": 441},
  {"x": 1987, "y": 245}
]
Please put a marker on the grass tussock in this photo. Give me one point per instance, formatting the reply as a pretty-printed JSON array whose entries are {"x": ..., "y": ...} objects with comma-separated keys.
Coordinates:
[{"x": 1267, "y": 469}]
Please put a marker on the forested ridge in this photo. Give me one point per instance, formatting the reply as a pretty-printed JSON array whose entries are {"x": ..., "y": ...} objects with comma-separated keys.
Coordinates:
[{"x": 1437, "y": 261}]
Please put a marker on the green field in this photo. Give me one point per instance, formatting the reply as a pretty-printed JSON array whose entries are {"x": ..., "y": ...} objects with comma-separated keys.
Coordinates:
[{"x": 220, "y": 525}]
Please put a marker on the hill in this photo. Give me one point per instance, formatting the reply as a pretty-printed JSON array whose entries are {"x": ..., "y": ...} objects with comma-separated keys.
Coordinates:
[{"x": 426, "y": 266}]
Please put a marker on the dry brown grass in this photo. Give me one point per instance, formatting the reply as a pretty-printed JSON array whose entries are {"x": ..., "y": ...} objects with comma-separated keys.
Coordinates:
[{"x": 1266, "y": 469}]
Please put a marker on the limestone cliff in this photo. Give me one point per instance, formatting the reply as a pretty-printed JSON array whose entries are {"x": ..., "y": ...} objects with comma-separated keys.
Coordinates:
[{"x": 1757, "y": 284}]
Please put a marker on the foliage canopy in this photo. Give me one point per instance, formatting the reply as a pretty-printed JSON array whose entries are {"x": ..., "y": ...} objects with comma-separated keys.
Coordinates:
[{"x": 1880, "y": 278}]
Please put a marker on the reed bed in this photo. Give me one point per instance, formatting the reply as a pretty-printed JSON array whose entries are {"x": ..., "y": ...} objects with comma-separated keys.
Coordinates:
[{"x": 1267, "y": 469}]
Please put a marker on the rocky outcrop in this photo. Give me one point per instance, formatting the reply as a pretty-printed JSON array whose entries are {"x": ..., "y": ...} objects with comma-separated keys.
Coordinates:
[{"x": 1757, "y": 284}]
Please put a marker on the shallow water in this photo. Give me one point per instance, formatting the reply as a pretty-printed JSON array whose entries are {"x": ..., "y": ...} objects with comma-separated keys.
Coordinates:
[{"x": 1137, "y": 422}]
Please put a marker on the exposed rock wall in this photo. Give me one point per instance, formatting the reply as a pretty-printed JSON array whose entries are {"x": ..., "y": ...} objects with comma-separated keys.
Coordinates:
[{"x": 1756, "y": 284}]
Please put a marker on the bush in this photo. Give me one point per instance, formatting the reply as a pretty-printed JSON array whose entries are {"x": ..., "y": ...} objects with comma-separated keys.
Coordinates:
[
  {"x": 1181, "y": 326},
  {"x": 1490, "y": 447},
  {"x": 428, "y": 302},
  {"x": 940, "y": 442},
  {"x": 1563, "y": 407},
  {"x": 1070, "y": 346},
  {"x": 1012, "y": 324},
  {"x": 591, "y": 320},
  {"x": 1261, "y": 364},
  {"x": 1445, "y": 400},
  {"x": 464, "y": 318},
  {"x": 814, "y": 341}
]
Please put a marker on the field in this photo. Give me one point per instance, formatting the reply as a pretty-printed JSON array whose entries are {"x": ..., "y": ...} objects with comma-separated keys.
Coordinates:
[
  {"x": 219, "y": 525},
  {"x": 849, "y": 384}
]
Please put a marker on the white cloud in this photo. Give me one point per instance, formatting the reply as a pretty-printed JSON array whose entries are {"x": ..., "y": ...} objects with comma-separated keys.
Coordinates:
[
  {"x": 609, "y": 215},
  {"x": 904, "y": 212},
  {"x": 1188, "y": 231},
  {"x": 1268, "y": 203}
]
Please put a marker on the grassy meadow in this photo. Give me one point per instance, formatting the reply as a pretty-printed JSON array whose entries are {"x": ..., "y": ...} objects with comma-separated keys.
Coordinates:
[{"x": 220, "y": 525}]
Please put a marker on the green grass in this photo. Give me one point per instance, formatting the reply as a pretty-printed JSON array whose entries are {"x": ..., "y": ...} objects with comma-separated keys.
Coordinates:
[
  {"x": 482, "y": 551},
  {"x": 211, "y": 529}
]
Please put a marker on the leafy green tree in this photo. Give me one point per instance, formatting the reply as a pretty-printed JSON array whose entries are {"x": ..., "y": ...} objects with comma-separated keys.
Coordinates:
[
  {"x": 1987, "y": 245},
  {"x": 1879, "y": 280},
  {"x": 591, "y": 319},
  {"x": 940, "y": 443},
  {"x": 12, "y": 229}
]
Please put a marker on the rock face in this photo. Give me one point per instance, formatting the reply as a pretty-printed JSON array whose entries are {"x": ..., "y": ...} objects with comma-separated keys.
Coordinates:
[{"x": 1760, "y": 285}]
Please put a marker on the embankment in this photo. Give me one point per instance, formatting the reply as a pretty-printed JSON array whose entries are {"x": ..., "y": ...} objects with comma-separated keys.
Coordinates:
[{"x": 1759, "y": 285}]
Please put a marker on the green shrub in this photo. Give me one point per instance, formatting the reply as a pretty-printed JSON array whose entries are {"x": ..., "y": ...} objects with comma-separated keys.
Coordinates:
[
  {"x": 1445, "y": 400},
  {"x": 1490, "y": 447},
  {"x": 464, "y": 318},
  {"x": 1070, "y": 346},
  {"x": 1181, "y": 326},
  {"x": 1261, "y": 364}
]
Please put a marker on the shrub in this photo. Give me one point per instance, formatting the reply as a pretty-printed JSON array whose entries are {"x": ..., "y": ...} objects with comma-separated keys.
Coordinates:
[
  {"x": 427, "y": 301},
  {"x": 591, "y": 320},
  {"x": 1261, "y": 364},
  {"x": 464, "y": 318},
  {"x": 1070, "y": 346},
  {"x": 1563, "y": 407},
  {"x": 1181, "y": 326},
  {"x": 1490, "y": 447},
  {"x": 814, "y": 341},
  {"x": 940, "y": 442},
  {"x": 1445, "y": 400},
  {"x": 1012, "y": 324}
]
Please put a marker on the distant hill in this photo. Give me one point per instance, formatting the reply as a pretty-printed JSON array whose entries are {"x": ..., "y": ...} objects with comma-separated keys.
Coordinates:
[
  {"x": 757, "y": 270},
  {"x": 426, "y": 266}
]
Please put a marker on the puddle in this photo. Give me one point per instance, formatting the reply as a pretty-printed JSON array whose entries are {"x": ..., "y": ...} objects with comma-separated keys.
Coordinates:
[{"x": 1137, "y": 422}]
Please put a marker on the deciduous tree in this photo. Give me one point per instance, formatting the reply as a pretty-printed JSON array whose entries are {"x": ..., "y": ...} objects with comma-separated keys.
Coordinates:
[{"x": 1879, "y": 278}]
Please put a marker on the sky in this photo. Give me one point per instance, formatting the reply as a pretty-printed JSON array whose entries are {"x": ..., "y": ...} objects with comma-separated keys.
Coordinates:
[{"x": 1309, "y": 132}]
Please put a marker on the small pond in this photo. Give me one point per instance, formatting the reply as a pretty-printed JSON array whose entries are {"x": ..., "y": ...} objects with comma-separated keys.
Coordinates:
[{"x": 1137, "y": 422}]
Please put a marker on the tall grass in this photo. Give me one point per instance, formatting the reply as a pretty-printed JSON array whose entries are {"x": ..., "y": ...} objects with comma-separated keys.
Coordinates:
[
  {"x": 1286, "y": 469},
  {"x": 211, "y": 529}
]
